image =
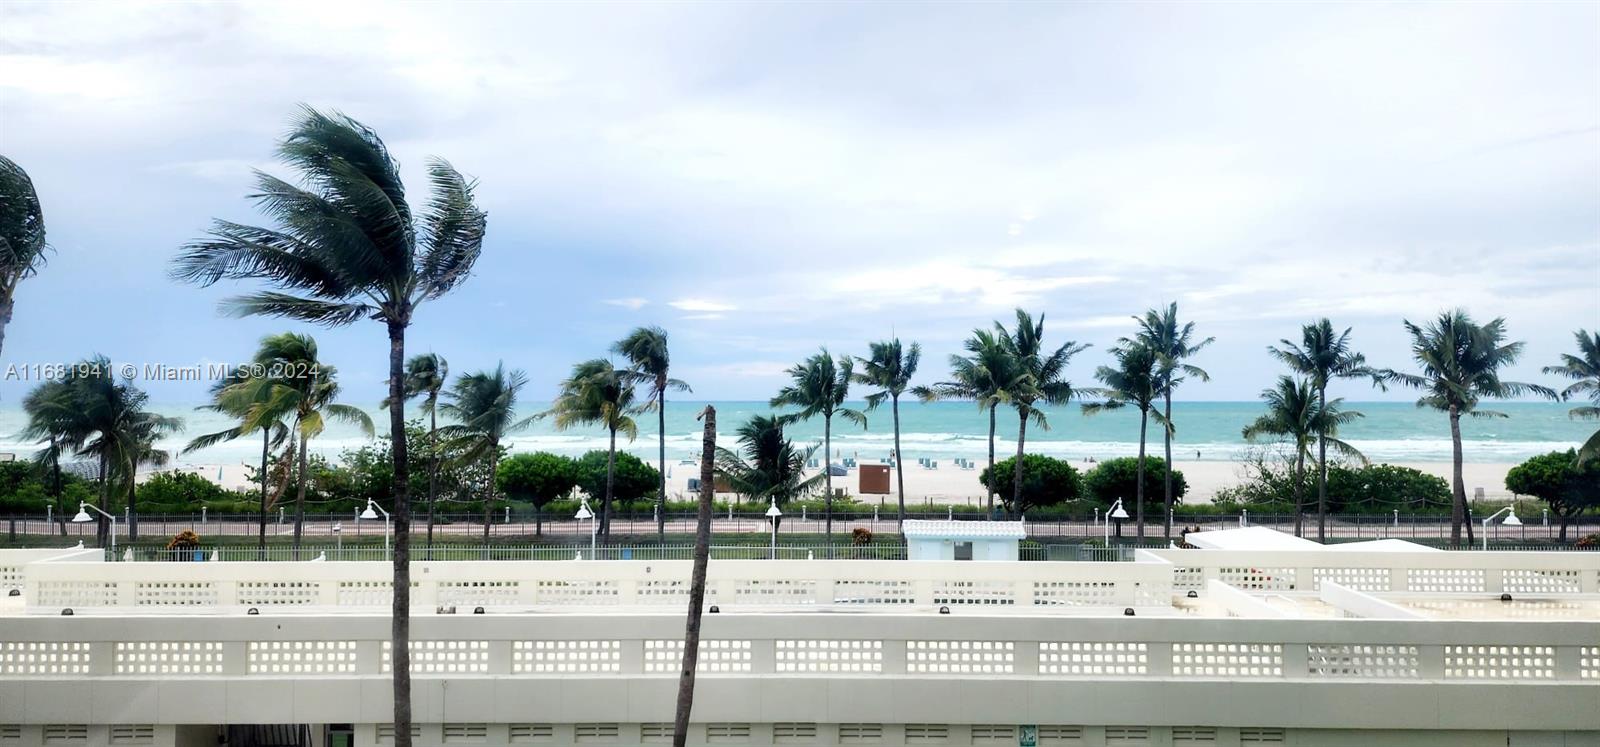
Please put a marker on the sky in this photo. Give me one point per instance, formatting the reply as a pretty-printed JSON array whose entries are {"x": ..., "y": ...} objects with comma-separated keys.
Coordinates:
[{"x": 764, "y": 179}]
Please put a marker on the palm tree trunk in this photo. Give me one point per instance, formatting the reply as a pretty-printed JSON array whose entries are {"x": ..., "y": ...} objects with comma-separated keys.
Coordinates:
[
  {"x": 488, "y": 503},
  {"x": 300, "y": 499},
  {"x": 1299, "y": 494},
  {"x": 433, "y": 466},
  {"x": 827, "y": 471},
  {"x": 6, "y": 307},
  {"x": 1458, "y": 504},
  {"x": 899, "y": 460},
  {"x": 400, "y": 614},
  {"x": 697, "y": 579},
  {"x": 100, "y": 529},
  {"x": 990, "y": 487},
  {"x": 133, "y": 511},
  {"x": 1016, "y": 474},
  {"x": 611, "y": 470},
  {"x": 55, "y": 469},
  {"x": 1144, "y": 424},
  {"x": 1166, "y": 520},
  {"x": 1138, "y": 506},
  {"x": 661, "y": 457},
  {"x": 261, "y": 538},
  {"x": 1322, "y": 469}
]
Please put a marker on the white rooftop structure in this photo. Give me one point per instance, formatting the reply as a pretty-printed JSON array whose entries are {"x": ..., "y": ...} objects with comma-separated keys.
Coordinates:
[
  {"x": 1248, "y": 538},
  {"x": 1301, "y": 647},
  {"x": 958, "y": 529},
  {"x": 1262, "y": 538},
  {"x": 963, "y": 540}
]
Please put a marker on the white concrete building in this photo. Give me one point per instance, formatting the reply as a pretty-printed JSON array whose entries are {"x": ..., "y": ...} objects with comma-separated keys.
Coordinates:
[
  {"x": 963, "y": 540},
  {"x": 1301, "y": 647}
]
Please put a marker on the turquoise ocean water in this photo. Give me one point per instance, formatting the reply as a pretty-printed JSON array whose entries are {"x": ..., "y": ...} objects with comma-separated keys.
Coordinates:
[{"x": 1391, "y": 431}]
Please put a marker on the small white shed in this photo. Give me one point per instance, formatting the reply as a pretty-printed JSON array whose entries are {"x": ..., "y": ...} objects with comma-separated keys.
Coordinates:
[{"x": 963, "y": 540}]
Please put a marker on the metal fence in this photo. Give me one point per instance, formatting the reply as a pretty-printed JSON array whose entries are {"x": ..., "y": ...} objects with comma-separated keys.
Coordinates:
[
  {"x": 510, "y": 552},
  {"x": 1536, "y": 527}
]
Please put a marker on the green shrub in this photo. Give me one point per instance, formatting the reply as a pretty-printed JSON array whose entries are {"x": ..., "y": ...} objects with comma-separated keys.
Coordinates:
[
  {"x": 181, "y": 492},
  {"x": 1119, "y": 478},
  {"x": 1379, "y": 488},
  {"x": 632, "y": 479},
  {"x": 1046, "y": 481}
]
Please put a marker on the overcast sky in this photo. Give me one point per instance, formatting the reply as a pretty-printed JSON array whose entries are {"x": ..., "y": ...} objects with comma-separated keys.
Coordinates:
[{"x": 764, "y": 179}]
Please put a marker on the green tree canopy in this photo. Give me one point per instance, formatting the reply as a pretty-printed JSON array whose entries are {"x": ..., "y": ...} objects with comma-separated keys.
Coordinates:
[
  {"x": 1046, "y": 481},
  {"x": 1119, "y": 478},
  {"x": 1385, "y": 487},
  {"x": 537, "y": 478},
  {"x": 634, "y": 479},
  {"x": 1556, "y": 479}
]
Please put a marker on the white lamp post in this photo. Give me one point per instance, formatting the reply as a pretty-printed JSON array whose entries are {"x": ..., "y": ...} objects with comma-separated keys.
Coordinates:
[
  {"x": 373, "y": 509},
  {"x": 1511, "y": 521},
  {"x": 585, "y": 513},
  {"x": 772, "y": 515},
  {"x": 83, "y": 516},
  {"x": 1117, "y": 513}
]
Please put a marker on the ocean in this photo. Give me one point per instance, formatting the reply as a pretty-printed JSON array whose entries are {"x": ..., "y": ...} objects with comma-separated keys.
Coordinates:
[{"x": 1390, "y": 432}]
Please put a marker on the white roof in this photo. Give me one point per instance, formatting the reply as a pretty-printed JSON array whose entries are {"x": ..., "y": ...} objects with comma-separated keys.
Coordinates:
[
  {"x": 956, "y": 529},
  {"x": 1262, "y": 538},
  {"x": 1383, "y": 545},
  {"x": 1249, "y": 538}
]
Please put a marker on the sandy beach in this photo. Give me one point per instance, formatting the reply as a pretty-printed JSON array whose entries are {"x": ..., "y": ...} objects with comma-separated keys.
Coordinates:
[{"x": 949, "y": 484}]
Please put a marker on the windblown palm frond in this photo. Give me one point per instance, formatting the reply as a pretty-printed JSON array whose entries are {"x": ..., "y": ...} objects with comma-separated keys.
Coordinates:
[
  {"x": 1584, "y": 370},
  {"x": 767, "y": 465},
  {"x": 1458, "y": 366},
  {"x": 344, "y": 245},
  {"x": 650, "y": 362},
  {"x": 22, "y": 242}
]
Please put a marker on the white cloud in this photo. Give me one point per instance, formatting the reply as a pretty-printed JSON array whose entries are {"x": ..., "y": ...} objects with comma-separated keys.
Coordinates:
[
  {"x": 700, "y": 304},
  {"x": 1261, "y": 163}
]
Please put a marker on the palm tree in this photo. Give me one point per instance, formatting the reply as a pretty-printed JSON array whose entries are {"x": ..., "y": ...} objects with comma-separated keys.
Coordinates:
[
  {"x": 51, "y": 412},
  {"x": 238, "y": 396},
  {"x": 646, "y": 351},
  {"x": 22, "y": 244},
  {"x": 1039, "y": 381},
  {"x": 697, "y": 577},
  {"x": 985, "y": 377},
  {"x": 819, "y": 388},
  {"x": 425, "y": 378},
  {"x": 1322, "y": 356},
  {"x": 303, "y": 385},
  {"x": 484, "y": 405},
  {"x": 1296, "y": 413},
  {"x": 1459, "y": 365},
  {"x": 767, "y": 465},
  {"x": 1172, "y": 344},
  {"x": 108, "y": 422},
  {"x": 598, "y": 393},
  {"x": 348, "y": 247},
  {"x": 889, "y": 367},
  {"x": 1132, "y": 383},
  {"x": 140, "y": 437},
  {"x": 1584, "y": 370}
]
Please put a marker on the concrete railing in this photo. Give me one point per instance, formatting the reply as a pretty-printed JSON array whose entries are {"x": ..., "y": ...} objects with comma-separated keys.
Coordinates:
[
  {"x": 12, "y": 562},
  {"x": 51, "y": 585},
  {"x": 961, "y": 667},
  {"x": 1286, "y": 571}
]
